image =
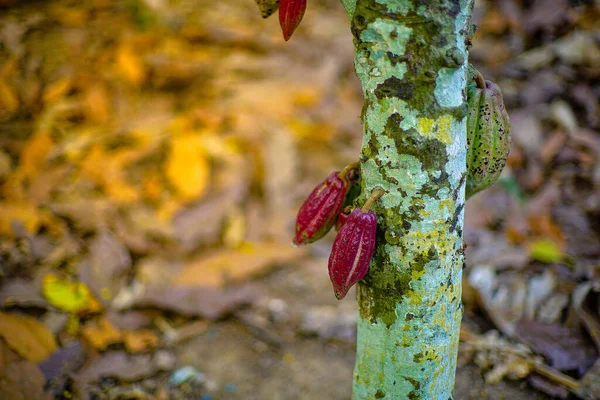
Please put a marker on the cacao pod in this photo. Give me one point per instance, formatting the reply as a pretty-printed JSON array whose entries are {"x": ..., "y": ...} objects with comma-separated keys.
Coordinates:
[
  {"x": 290, "y": 15},
  {"x": 352, "y": 251},
  {"x": 488, "y": 134},
  {"x": 320, "y": 210}
]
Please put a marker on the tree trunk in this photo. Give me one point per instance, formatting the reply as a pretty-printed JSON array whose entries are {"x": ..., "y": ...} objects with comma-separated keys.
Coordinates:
[{"x": 411, "y": 59}]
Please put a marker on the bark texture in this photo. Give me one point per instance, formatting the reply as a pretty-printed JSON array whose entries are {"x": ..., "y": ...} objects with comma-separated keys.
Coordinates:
[{"x": 411, "y": 59}]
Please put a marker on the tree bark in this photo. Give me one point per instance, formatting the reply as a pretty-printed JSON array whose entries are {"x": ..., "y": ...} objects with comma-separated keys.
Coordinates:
[{"x": 411, "y": 59}]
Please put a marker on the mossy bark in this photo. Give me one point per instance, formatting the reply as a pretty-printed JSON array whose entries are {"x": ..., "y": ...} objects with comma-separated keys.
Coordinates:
[{"x": 411, "y": 59}]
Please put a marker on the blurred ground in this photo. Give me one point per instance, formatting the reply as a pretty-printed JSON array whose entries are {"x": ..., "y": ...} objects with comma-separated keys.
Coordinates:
[{"x": 152, "y": 158}]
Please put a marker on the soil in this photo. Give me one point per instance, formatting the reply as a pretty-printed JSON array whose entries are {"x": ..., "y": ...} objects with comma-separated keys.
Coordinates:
[{"x": 242, "y": 364}]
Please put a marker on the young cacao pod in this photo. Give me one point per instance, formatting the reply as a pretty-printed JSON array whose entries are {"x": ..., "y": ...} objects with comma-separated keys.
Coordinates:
[
  {"x": 352, "y": 251},
  {"x": 320, "y": 210},
  {"x": 290, "y": 15},
  {"x": 267, "y": 7},
  {"x": 488, "y": 134}
]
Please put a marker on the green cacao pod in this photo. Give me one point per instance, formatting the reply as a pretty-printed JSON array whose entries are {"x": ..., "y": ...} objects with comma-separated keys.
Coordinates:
[
  {"x": 488, "y": 133},
  {"x": 267, "y": 7}
]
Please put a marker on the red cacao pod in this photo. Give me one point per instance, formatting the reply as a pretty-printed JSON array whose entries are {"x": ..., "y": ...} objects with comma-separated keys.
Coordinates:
[
  {"x": 352, "y": 251},
  {"x": 320, "y": 210},
  {"x": 290, "y": 15}
]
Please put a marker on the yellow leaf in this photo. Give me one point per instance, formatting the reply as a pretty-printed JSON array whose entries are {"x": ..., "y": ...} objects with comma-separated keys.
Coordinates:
[
  {"x": 27, "y": 336},
  {"x": 235, "y": 228},
  {"x": 8, "y": 97},
  {"x": 545, "y": 250},
  {"x": 73, "y": 297},
  {"x": 187, "y": 168},
  {"x": 152, "y": 188},
  {"x": 22, "y": 213},
  {"x": 166, "y": 211},
  {"x": 57, "y": 90},
  {"x": 130, "y": 65},
  {"x": 235, "y": 266},
  {"x": 33, "y": 155},
  {"x": 101, "y": 334},
  {"x": 140, "y": 341},
  {"x": 106, "y": 171},
  {"x": 97, "y": 104}
]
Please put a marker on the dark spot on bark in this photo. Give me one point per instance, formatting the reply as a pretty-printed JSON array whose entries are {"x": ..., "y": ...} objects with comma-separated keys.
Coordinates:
[
  {"x": 360, "y": 21},
  {"x": 455, "y": 217},
  {"x": 394, "y": 87},
  {"x": 409, "y": 316},
  {"x": 379, "y": 394},
  {"x": 442, "y": 178},
  {"x": 395, "y": 59},
  {"x": 454, "y": 8},
  {"x": 416, "y": 385}
]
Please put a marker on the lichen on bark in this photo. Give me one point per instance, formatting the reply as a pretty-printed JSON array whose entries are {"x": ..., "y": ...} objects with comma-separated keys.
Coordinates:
[{"x": 411, "y": 59}]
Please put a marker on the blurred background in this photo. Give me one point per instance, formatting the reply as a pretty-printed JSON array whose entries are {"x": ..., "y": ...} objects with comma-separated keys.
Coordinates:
[{"x": 154, "y": 153}]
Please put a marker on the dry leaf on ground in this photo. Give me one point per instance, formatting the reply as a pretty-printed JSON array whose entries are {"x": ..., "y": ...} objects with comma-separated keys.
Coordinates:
[
  {"x": 22, "y": 293},
  {"x": 63, "y": 361},
  {"x": 106, "y": 268},
  {"x": 27, "y": 336},
  {"x": 101, "y": 333},
  {"x": 234, "y": 266},
  {"x": 203, "y": 301},
  {"x": 22, "y": 380},
  {"x": 566, "y": 349},
  {"x": 140, "y": 341}
]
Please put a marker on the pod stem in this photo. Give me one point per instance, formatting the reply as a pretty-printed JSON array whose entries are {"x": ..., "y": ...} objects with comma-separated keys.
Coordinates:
[
  {"x": 479, "y": 80},
  {"x": 375, "y": 194},
  {"x": 348, "y": 168}
]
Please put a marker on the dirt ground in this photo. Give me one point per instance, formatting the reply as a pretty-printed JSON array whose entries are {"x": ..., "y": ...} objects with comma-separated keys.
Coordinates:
[{"x": 304, "y": 366}]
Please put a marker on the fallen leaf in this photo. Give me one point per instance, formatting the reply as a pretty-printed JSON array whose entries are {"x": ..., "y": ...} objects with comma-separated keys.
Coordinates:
[
  {"x": 33, "y": 154},
  {"x": 27, "y": 336},
  {"x": 22, "y": 380},
  {"x": 57, "y": 90},
  {"x": 106, "y": 170},
  {"x": 187, "y": 167},
  {"x": 100, "y": 334},
  {"x": 105, "y": 270},
  {"x": 126, "y": 367},
  {"x": 206, "y": 302},
  {"x": 8, "y": 98},
  {"x": 236, "y": 266},
  {"x": 140, "y": 341},
  {"x": 565, "y": 348},
  {"x": 202, "y": 223},
  {"x": 21, "y": 293},
  {"x": 545, "y": 250},
  {"x": 24, "y": 214},
  {"x": 70, "y": 296},
  {"x": 129, "y": 64},
  {"x": 97, "y": 102},
  {"x": 66, "y": 360},
  {"x": 234, "y": 232}
]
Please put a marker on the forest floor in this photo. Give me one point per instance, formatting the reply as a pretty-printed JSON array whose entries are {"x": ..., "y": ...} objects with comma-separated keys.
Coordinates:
[{"x": 153, "y": 156}]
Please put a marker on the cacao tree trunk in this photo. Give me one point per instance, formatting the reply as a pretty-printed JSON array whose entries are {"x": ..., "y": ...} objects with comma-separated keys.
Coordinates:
[{"x": 411, "y": 59}]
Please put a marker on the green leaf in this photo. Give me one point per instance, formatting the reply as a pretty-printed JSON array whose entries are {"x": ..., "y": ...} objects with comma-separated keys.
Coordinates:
[{"x": 546, "y": 251}]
